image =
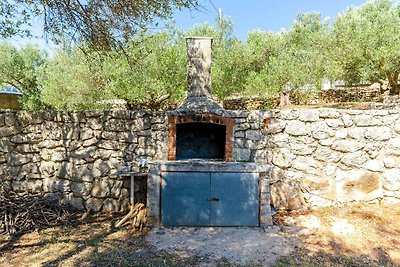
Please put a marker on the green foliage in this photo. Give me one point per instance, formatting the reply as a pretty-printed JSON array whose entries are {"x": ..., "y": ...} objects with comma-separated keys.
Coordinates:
[
  {"x": 367, "y": 43},
  {"x": 101, "y": 24},
  {"x": 18, "y": 68}
]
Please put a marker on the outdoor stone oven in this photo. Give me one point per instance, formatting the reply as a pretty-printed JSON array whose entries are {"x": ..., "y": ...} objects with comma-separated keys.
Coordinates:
[{"x": 200, "y": 184}]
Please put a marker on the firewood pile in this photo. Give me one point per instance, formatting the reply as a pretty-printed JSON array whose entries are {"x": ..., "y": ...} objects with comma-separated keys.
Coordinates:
[
  {"x": 136, "y": 216},
  {"x": 20, "y": 213}
]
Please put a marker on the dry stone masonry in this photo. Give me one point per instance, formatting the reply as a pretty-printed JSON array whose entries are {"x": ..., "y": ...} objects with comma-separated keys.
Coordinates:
[{"x": 318, "y": 156}]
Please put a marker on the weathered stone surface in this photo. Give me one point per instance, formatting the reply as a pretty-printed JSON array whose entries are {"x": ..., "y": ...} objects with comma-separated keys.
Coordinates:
[
  {"x": 242, "y": 154},
  {"x": 287, "y": 196},
  {"x": 110, "y": 204},
  {"x": 289, "y": 114},
  {"x": 7, "y": 131},
  {"x": 277, "y": 174},
  {"x": 341, "y": 134},
  {"x": 320, "y": 130},
  {"x": 334, "y": 123},
  {"x": 358, "y": 185},
  {"x": 327, "y": 155},
  {"x": 34, "y": 186},
  {"x": 328, "y": 113},
  {"x": 296, "y": 128},
  {"x": 375, "y": 165},
  {"x": 347, "y": 121},
  {"x": 94, "y": 204},
  {"x": 366, "y": 120},
  {"x": 378, "y": 133},
  {"x": 309, "y": 115},
  {"x": 347, "y": 145},
  {"x": 302, "y": 146},
  {"x": 81, "y": 189},
  {"x": 397, "y": 127},
  {"x": 282, "y": 158},
  {"x": 17, "y": 159},
  {"x": 391, "y": 180},
  {"x": 101, "y": 188},
  {"x": 356, "y": 159},
  {"x": 357, "y": 133},
  {"x": 390, "y": 162},
  {"x": 279, "y": 140},
  {"x": 276, "y": 126},
  {"x": 306, "y": 164}
]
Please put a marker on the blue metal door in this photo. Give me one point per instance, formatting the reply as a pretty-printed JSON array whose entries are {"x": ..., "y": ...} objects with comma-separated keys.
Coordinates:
[
  {"x": 184, "y": 199},
  {"x": 209, "y": 199},
  {"x": 235, "y": 198}
]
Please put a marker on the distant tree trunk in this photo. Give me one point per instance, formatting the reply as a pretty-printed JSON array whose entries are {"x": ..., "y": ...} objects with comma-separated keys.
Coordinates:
[
  {"x": 393, "y": 81},
  {"x": 284, "y": 99}
]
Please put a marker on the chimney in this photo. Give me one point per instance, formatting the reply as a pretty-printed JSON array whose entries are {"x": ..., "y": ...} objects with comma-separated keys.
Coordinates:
[{"x": 199, "y": 66}]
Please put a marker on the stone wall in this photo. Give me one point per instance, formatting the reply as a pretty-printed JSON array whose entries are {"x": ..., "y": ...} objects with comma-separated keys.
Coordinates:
[
  {"x": 325, "y": 156},
  {"x": 318, "y": 156},
  {"x": 73, "y": 157}
]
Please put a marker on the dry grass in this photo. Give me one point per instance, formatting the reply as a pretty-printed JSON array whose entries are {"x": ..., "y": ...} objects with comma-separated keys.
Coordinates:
[{"x": 353, "y": 235}]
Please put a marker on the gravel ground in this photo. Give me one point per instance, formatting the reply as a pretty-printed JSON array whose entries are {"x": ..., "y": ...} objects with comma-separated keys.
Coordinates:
[{"x": 237, "y": 246}]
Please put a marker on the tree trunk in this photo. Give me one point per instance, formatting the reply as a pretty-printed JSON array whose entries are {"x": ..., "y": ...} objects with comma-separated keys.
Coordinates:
[
  {"x": 284, "y": 99},
  {"x": 393, "y": 79}
]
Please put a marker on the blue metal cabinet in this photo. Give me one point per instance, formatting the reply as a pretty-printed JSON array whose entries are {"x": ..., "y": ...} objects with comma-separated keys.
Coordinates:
[{"x": 209, "y": 199}]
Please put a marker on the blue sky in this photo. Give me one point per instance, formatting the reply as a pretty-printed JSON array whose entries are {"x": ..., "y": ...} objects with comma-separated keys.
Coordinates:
[{"x": 266, "y": 15}]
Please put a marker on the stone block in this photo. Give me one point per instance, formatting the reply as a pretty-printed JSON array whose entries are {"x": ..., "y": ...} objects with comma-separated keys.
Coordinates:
[
  {"x": 334, "y": 123},
  {"x": 320, "y": 130},
  {"x": 356, "y": 159},
  {"x": 253, "y": 135},
  {"x": 283, "y": 158},
  {"x": 306, "y": 164},
  {"x": 110, "y": 204},
  {"x": 326, "y": 154},
  {"x": 276, "y": 126},
  {"x": 7, "y": 131},
  {"x": 289, "y": 114},
  {"x": 366, "y": 120},
  {"x": 242, "y": 154},
  {"x": 391, "y": 180},
  {"x": 309, "y": 115},
  {"x": 296, "y": 128},
  {"x": 101, "y": 188},
  {"x": 378, "y": 133},
  {"x": 347, "y": 120},
  {"x": 374, "y": 165},
  {"x": 358, "y": 185},
  {"x": 390, "y": 162},
  {"x": 347, "y": 145},
  {"x": 94, "y": 204},
  {"x": 81, "y": 189},
  {"x": 328, "y": 113}
]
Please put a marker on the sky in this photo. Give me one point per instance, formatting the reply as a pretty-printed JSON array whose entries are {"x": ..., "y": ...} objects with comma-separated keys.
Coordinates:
[{"x": 266, "y": 15}]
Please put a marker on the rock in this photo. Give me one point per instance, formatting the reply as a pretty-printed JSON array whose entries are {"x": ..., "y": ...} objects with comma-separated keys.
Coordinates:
[
  {"x": 94, "y": 204},
  {"x": 253, "y": 135},
  {"x": 287, "y": 196},
  {"x": 289, "y": 114},
  {"x": 378, "y": 133},
  {"x": 358, "y": 185},
  {"x": 397, "y": 127},
  {"x": 366, "y": 120},
  {"x": 282, "y": 158},
  {"x": 318, "y": 185},
  {"x": 242, "y": 154},
  {"x": 375, "y": 165},
  {"x": 276, "y": 126},
  {"x": 302, "y": 146},
  {"x": 277, "y": 174},
  {"x": 341, "y": 134},
  {"x": 334, "y": 123},
  {"x": 101, "y": 188},
  {"x": 320, "y": 130},
  {"x": 296, "y": 128},
  {"x": 17, "y": 159},
  {"x": 357, "y": 133},
  {"x": 76, "y": 202},
  {"x": 347, "y": 145},
  {"x": 110, "y": 204},
  {"x": 33, "y": 186},
  {"x": 347, "y": 121},
  {"x": 391, "y": 180},
  {"x": 327, "y": 113},
  {"x": 279, "y": 140},
  {"x": 390, "y": 162},
  {"x": 306, "y": 164},
  {"x": 309, "y": 115},
  {"x": 356, "y": 159},
  {"x": 81, "y": 189},
  {"x": 326, "y": 154},
  {"x": 7, "y": 131}
]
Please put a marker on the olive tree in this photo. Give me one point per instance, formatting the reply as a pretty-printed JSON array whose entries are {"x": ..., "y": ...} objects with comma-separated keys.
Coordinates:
[{"x": 366, "y": 44}]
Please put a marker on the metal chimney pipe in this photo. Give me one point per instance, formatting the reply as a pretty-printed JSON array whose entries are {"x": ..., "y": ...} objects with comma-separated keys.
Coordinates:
[{"x": 199, "y": 66}]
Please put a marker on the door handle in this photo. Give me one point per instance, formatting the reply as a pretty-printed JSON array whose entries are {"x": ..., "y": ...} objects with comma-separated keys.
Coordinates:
[{"x": 214, "y": 199}]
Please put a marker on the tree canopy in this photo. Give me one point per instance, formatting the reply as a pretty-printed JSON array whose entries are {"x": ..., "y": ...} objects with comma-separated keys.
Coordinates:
[
  {"x": 361, "y": 45},
  {"x": 100, "y": 23}
]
